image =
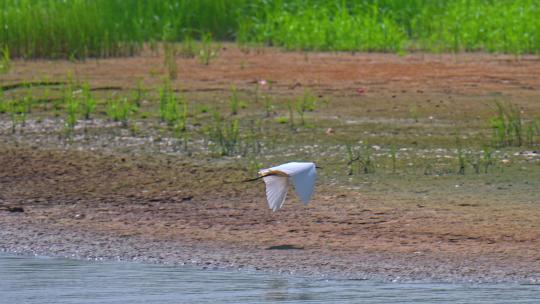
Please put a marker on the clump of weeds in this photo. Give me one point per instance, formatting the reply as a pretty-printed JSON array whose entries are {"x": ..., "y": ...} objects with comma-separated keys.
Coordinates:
[
  {"x": 139, "y": 94},
  {"x": 187, "y": 49},
  {"x": 171, "y": 107},
  {"x": 481, "y": 162},
  {"x": 461, "y": 158},
  {"x": 225, "y": 135},
  {"x": 17, "y": 113},
  {"x": 169, "y": 50},
  {"x": 393, "y": 157},
  {"x": 88, "y": 103},
  {"x": 3, "y": 102},
  {"x": 252, "y": 144},
  {"x": 532, "y": 132},
  {"x": 234, "y": 101},
  {"x": 507, "y": 125},
  {"x": 207, "y": 51},
  {"x": 306, "y": 103},
  {"x": 5, "y": 60},
  {"x": 413, "y": 112},
  {"x": 268, "y": 106},
  {"x": 119, "y": 110},
  {"x": 362, "y": 156}
]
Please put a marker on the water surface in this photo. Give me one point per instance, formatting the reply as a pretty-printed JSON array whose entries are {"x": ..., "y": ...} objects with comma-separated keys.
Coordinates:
[{"x": 50, "y": 280}]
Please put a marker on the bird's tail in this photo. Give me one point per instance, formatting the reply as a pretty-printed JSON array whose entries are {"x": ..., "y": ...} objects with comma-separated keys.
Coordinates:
[{"x": 252, "y": 179}]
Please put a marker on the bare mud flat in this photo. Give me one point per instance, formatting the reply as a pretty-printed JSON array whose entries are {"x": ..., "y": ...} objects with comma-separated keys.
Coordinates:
[{"x": 116, "y": 194}]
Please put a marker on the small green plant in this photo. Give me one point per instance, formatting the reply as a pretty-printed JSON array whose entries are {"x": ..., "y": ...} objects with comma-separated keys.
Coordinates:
[
  {"x": 174, "y": 110},
  {"x": 361, "y": 155},
  {"x": 253, "y": 165},
  {"x": 234, "y": 101},
  {"x": 351, "y": 158},
  {"x": 180, "y": 126},
  {"x": 461, "y": 159},
  {"x": 250, "y": 143},
  {"x": 170, "y": 59},
  {"x": 507, "y": 125},
  {"x": 207, "y": 51},
  {"x": 169, "y": 104},
  {"x": 225, "y": 135},
  {"x": 282, "y": 120},
  {"x": 5, "y": 60},
  {"x": 22, "y": 108},
  {"x": 119, "y": 110},
  {"x": 169, "y": 50},
  {"x": 139, "y": 94},
  {"x": 300, "y": 111},
  {"x": 15, "y": 112},
  {"x": 291, "y": 114},
  {"x": 413, "y": 112},
  {"x": 188, "y": 47},
  {"x": 481, "y": 162},
  {"x": 203, "y": 108},
  {"x": 88, "y": 103},
  {"x": 393, "y": 157},
  {"x": 305, "y": 104},
  {"x": 532, "y": 132},
  {"x": 72, "y": 109},
  {"x": 487, "y": 158},
  {"x": 3, "y": 102},
  {"x": 309, "y": 101},
  {"x": 29, "y": 101},
  {"x": 268, "y": 106}
]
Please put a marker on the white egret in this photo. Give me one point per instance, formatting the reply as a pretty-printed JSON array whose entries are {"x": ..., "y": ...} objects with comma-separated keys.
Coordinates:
[{"x": 277, "y": 179}]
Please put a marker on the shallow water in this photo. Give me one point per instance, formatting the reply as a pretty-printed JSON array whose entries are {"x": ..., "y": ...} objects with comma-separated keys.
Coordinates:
[{"x": 50, "y": 280}]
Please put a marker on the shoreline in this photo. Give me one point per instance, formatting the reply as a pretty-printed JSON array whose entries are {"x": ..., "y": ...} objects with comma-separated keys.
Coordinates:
[
  {"x": 29, "y": 239},
  {"x": 73, "y": 209}
]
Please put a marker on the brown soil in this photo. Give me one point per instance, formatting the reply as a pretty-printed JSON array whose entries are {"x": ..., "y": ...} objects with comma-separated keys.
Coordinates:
[
  {"x": 161, "y": 199},
  {"x": 107, "y": 197},
  {"x": 458, "y": 87}
]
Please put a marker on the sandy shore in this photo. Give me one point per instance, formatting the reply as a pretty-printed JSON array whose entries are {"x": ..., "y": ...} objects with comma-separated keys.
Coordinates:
[{"x": 150, "y": 209}]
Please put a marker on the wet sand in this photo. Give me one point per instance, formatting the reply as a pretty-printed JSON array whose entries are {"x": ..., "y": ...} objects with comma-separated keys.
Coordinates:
[{"x": 164, "y": 210}]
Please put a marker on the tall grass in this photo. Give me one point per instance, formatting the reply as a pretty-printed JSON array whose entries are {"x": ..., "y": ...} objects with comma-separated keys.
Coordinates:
[
  {"x": 225, "y": 135},
  {"x": 507, "y": 126},
  {"x": 103, "y": 28},
  {"x": 5, "y": 60}
]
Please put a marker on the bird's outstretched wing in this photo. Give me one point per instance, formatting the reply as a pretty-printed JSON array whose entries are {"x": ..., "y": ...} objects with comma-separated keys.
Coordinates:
[
  {"x": 304, "y": 183},
  {"x": 276, "y": 190}
]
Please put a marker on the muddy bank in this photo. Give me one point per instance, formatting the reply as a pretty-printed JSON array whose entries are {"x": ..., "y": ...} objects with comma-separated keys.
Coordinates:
[{"x": 168, "y": 210}]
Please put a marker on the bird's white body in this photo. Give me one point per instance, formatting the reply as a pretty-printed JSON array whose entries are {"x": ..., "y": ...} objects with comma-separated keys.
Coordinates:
[{"x": 277, "y": 179}]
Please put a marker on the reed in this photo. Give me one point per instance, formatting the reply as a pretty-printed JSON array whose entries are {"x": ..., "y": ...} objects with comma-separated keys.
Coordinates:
[
  {"x": 119, "y": 110},
  {"x": 5, "y": 60},
  {"x": 88, "y": 103},
  {"x": 208, "y": 50},
  {"x": 507, "y": 126},
  {"x": 103, "y": 28}
]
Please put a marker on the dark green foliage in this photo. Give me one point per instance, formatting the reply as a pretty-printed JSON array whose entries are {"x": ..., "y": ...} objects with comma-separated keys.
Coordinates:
[{"x": 103, "y": 28}]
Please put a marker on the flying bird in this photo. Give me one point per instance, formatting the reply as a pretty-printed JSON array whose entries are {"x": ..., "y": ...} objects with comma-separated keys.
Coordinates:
[{"x": 277, "y": 180}]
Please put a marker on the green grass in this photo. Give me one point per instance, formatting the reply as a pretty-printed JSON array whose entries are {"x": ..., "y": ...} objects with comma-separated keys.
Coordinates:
[
  {"x": 103, "y": 28},
  {"x": 5, "y": 60},
  {"x": 511, "y": 129},
  {"x": 119, "y": 110}
]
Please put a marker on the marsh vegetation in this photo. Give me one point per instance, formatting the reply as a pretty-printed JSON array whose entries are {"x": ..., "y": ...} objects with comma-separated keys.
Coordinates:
[{"x": 105, "y": 28}]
